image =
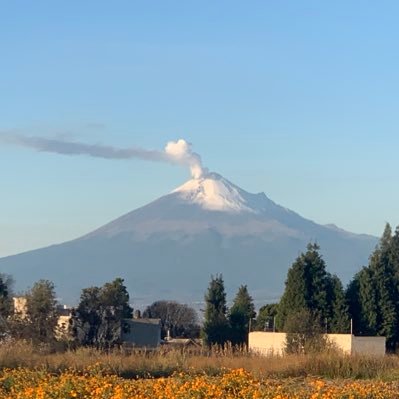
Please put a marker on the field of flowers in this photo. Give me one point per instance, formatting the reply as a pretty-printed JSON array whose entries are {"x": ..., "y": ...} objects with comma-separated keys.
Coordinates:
[{"x": 94, "y": 383}]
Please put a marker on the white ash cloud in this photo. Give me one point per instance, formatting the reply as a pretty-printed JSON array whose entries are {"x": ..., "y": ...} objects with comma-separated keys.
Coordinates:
[
  {"x": 180, "y": 152},
  {"x": 176, "y": 152}
]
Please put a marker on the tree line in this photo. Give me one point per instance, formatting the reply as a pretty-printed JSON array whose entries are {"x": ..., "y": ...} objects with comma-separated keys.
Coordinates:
[
  {"x": 97, "y": 321},
  {"x": 315, "y": 302}
]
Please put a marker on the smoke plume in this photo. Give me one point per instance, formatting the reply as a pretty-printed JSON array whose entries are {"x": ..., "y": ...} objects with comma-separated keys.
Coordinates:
[
  {"x": 180, "y": 152},
  {"x": 176, "y": 152}
]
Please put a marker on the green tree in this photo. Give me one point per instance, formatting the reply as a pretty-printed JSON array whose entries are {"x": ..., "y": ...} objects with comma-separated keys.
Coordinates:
[
  {"x": 41, "y": 311},
  {"x": 87, "y": 317},
  {"x": 368, "y": 302},
  {"x": 114, "y": 305},
  {"x": 354, "y": 305},
  {"x": 306, "y": 287},
  {"x": 339, "y": 321},
  {"x": 373, "y": 295},
  {"x": 6, "y": 305},
  {"x": 98, "y": 319},
  {"x": 386, "y": 292},
  {"x": 216, "y": 326},
  {"x": 394, "y": 253},
  {"x": 241, "y": 315},
  {"x": 181, "y": 320},
  {"x": 304, "y": 333},
  {"x": 266, "y": 317}
]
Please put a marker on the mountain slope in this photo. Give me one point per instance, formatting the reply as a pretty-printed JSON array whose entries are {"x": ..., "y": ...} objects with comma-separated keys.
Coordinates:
[{"x": 170, "y": 247}]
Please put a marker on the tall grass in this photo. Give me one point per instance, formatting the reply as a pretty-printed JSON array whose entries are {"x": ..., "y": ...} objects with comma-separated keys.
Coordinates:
[{"x": 139, "y": 364}]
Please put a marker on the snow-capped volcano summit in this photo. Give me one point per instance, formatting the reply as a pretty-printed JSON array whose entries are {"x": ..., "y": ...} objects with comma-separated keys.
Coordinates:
[
  {"x": 168, "y": 248},
  {"x": 209, "y": 202},
  {"x": 214, "y": 192}
]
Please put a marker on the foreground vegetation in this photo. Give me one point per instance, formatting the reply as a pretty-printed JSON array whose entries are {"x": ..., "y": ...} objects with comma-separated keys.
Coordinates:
[
  {"x": 27, "y": 384},
  {"x": 27, "y": 371},
  {"x": 34, "y": 362},
  {"x": 164, "y": 363}
]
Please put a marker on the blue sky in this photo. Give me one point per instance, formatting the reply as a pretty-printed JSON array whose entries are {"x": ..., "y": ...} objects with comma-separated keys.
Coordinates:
[{"x": 296, "y": 99}]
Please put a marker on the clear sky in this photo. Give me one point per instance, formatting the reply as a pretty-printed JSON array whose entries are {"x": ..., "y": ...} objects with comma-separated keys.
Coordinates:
[{"x": 299, "y": 99}]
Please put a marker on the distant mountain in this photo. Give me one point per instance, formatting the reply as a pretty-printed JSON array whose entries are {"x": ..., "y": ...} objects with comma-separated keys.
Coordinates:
[{"x": 169, "y": 248}]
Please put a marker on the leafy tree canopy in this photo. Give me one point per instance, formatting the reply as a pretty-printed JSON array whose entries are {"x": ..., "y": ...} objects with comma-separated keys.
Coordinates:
[
  {"x": 42, "y": 311},
  {"x": 98, "y": 319},
  {"x": 181, "y": 320}
]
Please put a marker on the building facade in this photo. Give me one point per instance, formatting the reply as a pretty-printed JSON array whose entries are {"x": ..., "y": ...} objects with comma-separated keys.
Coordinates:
[
  {"x": 273, "y": 343},
  {"x": 141, "y": 333}
]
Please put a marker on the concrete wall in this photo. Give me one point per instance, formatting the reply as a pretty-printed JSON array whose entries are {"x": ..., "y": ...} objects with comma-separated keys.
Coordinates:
[
  {"x": 342, "y": 342},
  {"x": 269, "y": 343},
  {"x": 266, "y": 343},
  {"x": 368, "y": 346}
]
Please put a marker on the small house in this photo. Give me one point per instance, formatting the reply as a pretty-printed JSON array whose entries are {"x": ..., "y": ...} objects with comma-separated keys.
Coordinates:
[{"x": 141, "y": 332}]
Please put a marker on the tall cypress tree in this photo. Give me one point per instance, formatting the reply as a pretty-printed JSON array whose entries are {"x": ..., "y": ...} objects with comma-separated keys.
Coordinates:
[
  {"x": 368, "y": 300},
  {"x": 354, "y": 304},
  {"x": 338, "y": 321},
  {"x": 313, "y": 303},
  {"x": 241, "y": 315},
  {"x": 306, "y": 287},
  {"x": 216, "y": 326},
  {"x": 394, "y": 253},
  {"x": 377, "y": 295},
  {"x": 294, "y": 297}
]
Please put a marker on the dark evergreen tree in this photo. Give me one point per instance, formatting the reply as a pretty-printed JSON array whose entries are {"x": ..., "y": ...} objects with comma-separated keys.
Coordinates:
[
  {"x": 373, "y": 295},
  {"x": 339, "y": 320},
  {"x": 383, "y": 274},
  {"x": 307, "y": 287},
  {"x": 266, "y": 317},
  {"x": 6, "y": 305},
  {"x": 86, "y": 317},
  {"x": 241, "y": 315},
  {"x": 310, "y": 287},
  {"x": 394, "y": 254},
  {"x": 216, "y": 326},
  {"x": 354, "y": 305},
  {"x": 368, "y": 301}
]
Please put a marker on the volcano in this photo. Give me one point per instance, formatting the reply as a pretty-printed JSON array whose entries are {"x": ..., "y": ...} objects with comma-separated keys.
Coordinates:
[{"x": 169, "y": 248}]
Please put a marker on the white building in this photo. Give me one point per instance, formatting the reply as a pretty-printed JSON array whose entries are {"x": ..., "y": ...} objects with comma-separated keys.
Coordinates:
[
  {"x": 64, "y": 316},
  {"x": 273, "y": 343}
]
